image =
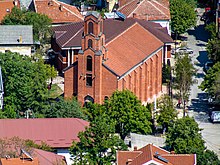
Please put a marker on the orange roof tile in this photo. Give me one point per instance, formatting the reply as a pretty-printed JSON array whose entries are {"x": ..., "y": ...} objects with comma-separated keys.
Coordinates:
[
  {"x": 18, "y": 161},
  {"x": 147, "y": 9},
  {"x": 6, "y": 7},
  {"x": 130, "y": 48},
  {"x": 59, "y": 12},
  {"x": 148, "y": 154}
]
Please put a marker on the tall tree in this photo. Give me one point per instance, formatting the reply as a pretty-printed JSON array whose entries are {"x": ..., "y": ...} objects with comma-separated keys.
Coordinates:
[
  {"x": 64, "y": 108},
  {"x": 211, "y": 82},
  {"x": 213, "y": 49},
  {"x": 98, "y": 144},
  {"x": 41, "y": 23},
  {"x": 184, "y": 137},
  {"x": 126, "y": 111},
  {"x": 184, "y": 71},
  {"x": 167, "y": 113},
  {"x": 182, "y": 18},
  {"x": 25, "y": 82}
]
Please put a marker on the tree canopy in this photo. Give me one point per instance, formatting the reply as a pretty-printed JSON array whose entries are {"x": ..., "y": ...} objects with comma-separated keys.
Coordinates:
[
  {"x": 98, "y": 143},
  {"x": 128, "y": 113},
  {"x": 184, "y": 17},
  {"x": 184, "y": 71},
  {"x": 25, "y": 83},
  {"x": 167, "y": 113},
  {"x": 211, "y": 82},
  {"x": 64, "y": 108},
  {"x": 41, "y": 23},
  {"x": 184, "y": 137}
]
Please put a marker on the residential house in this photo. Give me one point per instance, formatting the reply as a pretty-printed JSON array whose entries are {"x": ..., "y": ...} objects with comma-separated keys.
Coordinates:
[
  {"x": 153, "y": 155},
  {"x": 59, "y": 133},
  {"x": 16, "y": 38},
  {"x": 157, "y": 11},
  {"x": 58, "y": 11},
  {"x": 6, "y": 7},
  {"x": 48, "y": 158},
  {"x": 24, "y": 159},
  {"x": 101, "y": 56}
]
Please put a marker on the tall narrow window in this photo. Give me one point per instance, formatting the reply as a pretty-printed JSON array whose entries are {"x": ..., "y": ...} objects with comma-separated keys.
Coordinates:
[
  {"x": 89, "y": 63},
  {"x": 89, "y": 43},
  {"x": 88, "y": 80},
  {"x": 90, "y": 27}
]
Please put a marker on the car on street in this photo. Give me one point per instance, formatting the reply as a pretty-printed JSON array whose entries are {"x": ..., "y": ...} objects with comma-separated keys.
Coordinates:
[
  {"x": 182, "y": 50},
  {"x": 208, "y": 65}
]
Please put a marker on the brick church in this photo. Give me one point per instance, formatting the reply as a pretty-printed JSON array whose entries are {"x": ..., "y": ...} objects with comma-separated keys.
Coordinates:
[{"x": 113, "y": 55}]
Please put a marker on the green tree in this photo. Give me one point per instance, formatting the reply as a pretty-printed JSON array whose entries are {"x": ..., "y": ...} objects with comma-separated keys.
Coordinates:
[
  {"x": 41, "y": 23},
  {"x": 184, "y": 137},
  {"x": 98, "y": 143},
  {"x": 167, "y": 113},
  {"x": 211, "y": 28},
  {"x": 25, "y": 82},
  {"x": 213, "y": 49},
  {"x": 211, "y": 82},
  {"x": 64, "y": 108},
  {"x": 184, "y": 71},
  {"x": 126, "y": 111},
  {"x": 182, "y": 18}
]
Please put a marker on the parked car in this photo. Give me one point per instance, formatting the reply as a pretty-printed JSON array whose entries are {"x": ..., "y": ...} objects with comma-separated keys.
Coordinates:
[
  {"x": 208, "y": 65},
  {"x": 182, "y": 50}
]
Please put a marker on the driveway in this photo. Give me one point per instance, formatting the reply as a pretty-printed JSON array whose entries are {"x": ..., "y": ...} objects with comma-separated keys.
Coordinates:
[{"x": 198, "y": 107}]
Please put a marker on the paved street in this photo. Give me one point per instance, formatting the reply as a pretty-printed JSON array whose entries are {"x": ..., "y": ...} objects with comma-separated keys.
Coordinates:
[{"x": 198, "y": 107}]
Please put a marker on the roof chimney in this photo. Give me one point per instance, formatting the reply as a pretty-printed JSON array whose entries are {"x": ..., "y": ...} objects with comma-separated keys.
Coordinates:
[
  {"x": 15, "y": 2},
  {"x": 50, "y": 3},
  {"x": 135, "y": 148},
  {"x": 172, "y": 152},
  {"x": 61, "y": 7},
  {"x": 134, "y": 15},
  {"x": 128, "y": 161}
]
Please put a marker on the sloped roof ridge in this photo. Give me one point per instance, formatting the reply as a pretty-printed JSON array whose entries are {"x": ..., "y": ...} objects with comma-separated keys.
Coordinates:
[
  {"x": 157, "y": 8},
  {"x": 148, "y": 31},
  {"x": 73, "y": 36},
  {"x": 161, "y": 149},
  {"x": 126, "y": 4},
  {"x": 177, "y": 154},
  {"x": 136, "y": 8},
  {"x": 160, "y": 4},
  {"x": 70, "y": 10},
  {"x": 121, "y": 33}
]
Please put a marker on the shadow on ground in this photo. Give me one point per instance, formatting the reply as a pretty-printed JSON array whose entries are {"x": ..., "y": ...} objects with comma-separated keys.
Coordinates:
[
  {"x": 197, "y": 31},
  {"x": 202, "y": 58}
]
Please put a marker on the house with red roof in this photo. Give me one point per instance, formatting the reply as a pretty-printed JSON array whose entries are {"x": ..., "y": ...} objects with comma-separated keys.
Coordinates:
[
  {"x": 157, "y": 11},
  {"x": 58, "y": 133},
  {"x": 6, "y": 7},
  {"x": 153, "y": 155},
  {"x": 100, "y": 56},
  {"x": 58, "y": 11}
]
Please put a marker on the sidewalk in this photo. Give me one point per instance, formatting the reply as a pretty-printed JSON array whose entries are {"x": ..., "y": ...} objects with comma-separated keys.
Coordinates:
[{"x": 59, "y": 81}]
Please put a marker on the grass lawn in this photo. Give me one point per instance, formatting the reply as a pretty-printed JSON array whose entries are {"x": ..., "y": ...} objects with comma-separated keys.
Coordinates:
[{"x": 55, "y": 91}]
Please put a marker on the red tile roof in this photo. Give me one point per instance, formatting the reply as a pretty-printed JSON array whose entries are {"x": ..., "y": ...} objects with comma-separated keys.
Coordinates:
[
  {"x": 59, "y": 12},
  {"x": 48, "y": 158},
  {"x": 147, "y": 9},
  {"x": 130, "y": 48},
  {"x": 6, "y": 7},
  {"x": 56, "y": 132},
  {"x": 148, "y": 154},
  {"x": 139, "y": 38},
  {"x": 70, "y": 35}
]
